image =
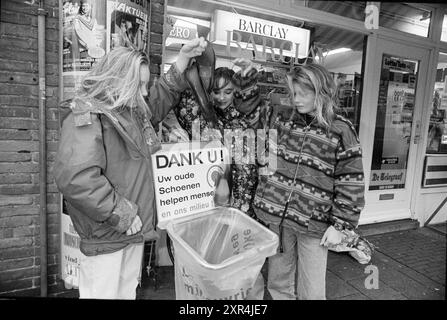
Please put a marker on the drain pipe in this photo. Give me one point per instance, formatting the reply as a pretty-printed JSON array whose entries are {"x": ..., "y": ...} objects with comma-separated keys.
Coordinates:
[{"x": 41, "y": 13}]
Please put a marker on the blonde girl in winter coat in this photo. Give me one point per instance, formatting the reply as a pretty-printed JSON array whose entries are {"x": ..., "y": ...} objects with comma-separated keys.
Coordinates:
[{"x": 103, "y": 165}]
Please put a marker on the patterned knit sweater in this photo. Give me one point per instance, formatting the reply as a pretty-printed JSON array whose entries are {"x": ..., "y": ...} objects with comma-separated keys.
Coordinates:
[{"x": 319, "y": 170}]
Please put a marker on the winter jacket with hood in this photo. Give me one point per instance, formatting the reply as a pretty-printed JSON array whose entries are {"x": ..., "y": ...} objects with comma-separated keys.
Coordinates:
[{"x": 103, "y": 166}]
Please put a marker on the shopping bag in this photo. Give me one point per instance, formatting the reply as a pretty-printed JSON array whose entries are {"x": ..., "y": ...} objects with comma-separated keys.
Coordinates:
[{"x": 358, "y": 247}]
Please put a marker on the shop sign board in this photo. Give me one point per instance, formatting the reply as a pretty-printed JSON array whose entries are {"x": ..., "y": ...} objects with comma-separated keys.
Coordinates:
[
  {"x": 185, "y": 178},
  {"x": 399, "y": 65},
  {"x": 387, "y": 179},
  {"x": 435, "y": 171},
  {"x": 262, "y": 36},
  {"x": 390, "y": 160},
  {"x": 182, "y": 29}
]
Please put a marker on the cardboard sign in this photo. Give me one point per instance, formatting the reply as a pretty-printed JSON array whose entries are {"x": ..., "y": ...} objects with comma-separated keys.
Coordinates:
[{"x": 185, "y": 178}]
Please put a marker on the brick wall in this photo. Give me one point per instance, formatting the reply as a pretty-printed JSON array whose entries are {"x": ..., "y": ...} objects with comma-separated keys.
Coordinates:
[
  {"x": 19, "y": 142},
  {"x": 19, "y": 147},
  {"x": 156, "y": 37}
]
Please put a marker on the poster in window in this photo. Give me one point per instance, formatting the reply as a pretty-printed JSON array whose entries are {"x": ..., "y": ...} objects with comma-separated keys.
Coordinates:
[
  {"x": 128, "y": 24},
  {"x": 83, "y": 34},
  {"x": 393, "y": 124}
]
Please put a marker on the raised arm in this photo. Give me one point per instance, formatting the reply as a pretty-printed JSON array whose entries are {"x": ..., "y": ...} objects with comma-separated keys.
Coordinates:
[{"x": 165, "y": 93}]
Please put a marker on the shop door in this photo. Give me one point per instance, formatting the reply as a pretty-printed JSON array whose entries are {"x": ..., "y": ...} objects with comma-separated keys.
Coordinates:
[{"x": 391, "y": 127}]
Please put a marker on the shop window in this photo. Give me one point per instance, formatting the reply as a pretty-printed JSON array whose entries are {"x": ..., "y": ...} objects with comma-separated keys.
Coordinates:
[
  {"x": 274, "y": 43},
  {"x": 405, "y": 17},
  {"x": 437, "y": 129},
  {"x": 392, "y": 136},
  {"x": 349, "y": 9},
  {"x": 444, "y": 29},
  {"x": 435, "y": 163}
]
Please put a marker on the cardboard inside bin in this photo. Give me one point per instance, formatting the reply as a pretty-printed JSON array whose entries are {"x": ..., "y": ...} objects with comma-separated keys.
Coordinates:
[
  {"x": 221, "y": 237},
  {"x": 184, "y": 178}
]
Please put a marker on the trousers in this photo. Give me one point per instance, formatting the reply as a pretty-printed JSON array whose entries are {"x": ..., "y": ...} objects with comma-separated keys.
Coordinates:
[
  {"x": 297, "y": 273},
  {"x": 112, "y": 275}
]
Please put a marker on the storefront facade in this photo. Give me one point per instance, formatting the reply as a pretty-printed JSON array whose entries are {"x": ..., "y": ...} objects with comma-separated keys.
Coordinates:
[
  {"x": 389, "y": 62},
  {"x": 389, "y": 59}
]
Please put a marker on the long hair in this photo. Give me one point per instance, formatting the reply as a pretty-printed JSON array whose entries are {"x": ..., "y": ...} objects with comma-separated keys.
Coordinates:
[
  {"x": 116, "y": 79},
  {"x": 222, "y": 73},
  {"x": 316, "y": 78}
]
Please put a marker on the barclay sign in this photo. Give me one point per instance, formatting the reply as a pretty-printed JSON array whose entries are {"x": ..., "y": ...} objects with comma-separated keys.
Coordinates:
[
  {"x": 265, "y": 29},
  {"x": 236, "y": 31}
]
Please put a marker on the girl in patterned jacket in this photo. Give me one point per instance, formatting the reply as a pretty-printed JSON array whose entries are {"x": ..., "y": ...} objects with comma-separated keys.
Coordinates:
[{"x": 313, "y": 189}]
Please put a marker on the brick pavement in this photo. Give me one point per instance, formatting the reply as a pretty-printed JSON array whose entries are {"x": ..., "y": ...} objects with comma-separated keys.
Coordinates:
[
  {"x": 421, "y": 250},
  {"x": 411, "y": 266}
]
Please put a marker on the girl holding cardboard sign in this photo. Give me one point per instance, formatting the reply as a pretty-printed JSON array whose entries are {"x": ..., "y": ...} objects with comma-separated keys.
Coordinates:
[{"x": 103, "y": 165}]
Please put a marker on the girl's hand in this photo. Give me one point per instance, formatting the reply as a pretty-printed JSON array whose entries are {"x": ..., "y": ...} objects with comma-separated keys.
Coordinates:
[
  {"x": 331, "y": 237},
  {"x": 135, "y": 226},
  {"x": 190, "y": 50},
  {"x": 245, "y": 65},
  {"x": 193, "y": 48}
]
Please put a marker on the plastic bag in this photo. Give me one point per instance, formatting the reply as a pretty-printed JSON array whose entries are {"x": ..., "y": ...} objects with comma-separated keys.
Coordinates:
[
  {"x": 359, "y": 248},
  {"x": 219, "y": 254}
]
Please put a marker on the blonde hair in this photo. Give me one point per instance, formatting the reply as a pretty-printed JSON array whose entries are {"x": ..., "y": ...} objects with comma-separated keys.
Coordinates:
[
  {"x": 316, "y": 78},
  {"x": 116, "y": 79}
]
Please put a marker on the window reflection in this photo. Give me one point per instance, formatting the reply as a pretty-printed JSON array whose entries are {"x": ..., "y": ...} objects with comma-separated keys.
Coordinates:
[
  {"x": 437, "y": 130},
  {"x": 444, "y": 29},
  {"x": 405, "y": 17},
  {"x": 274, "y": 44}
]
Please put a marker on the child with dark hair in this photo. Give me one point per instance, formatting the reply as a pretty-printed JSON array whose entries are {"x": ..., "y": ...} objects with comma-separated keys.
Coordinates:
[{"x": 230, "y": 92}]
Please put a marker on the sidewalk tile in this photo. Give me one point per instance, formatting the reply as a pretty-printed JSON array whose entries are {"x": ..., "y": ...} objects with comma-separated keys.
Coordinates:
[
  {"x": 407, "y": 286},
  {"x": 357, "y": 296},
  {"x": 384, "y": 292},
  {"x": 348, "y": 272},
  {"x": 337, "y": 288}
]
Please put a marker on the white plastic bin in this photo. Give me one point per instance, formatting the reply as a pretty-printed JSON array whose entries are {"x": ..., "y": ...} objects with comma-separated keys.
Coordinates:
[{"x": 219, "y": 254}]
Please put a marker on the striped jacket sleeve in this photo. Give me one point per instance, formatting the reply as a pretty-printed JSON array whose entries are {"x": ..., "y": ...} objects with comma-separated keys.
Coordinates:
[
  {"x": 249, "y": 95},
  {"x": 349, "y": 184}
]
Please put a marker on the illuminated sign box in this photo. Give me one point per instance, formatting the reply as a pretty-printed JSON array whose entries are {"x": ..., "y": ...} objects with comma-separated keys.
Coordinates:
[
  {"x": 263, "y": 36},
  {"x": 184, "y": 29},
  {"x": 435, "y": 171}
]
